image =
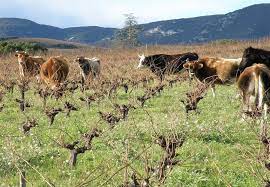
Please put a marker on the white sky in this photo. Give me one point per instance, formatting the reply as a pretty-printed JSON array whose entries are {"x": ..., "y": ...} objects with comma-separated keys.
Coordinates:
[{"x": 109, "y": 13}]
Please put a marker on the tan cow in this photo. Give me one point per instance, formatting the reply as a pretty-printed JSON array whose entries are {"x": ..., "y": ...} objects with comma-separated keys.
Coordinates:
[
  {"x": 214, "y": 70},
  {"x": 29, "y": 66},
  {"x": 254, "y": 85},
  {"x": 54, "y": 71}
]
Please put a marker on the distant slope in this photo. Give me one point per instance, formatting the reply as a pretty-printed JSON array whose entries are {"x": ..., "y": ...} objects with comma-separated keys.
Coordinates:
[
  {"x": 25, "y": 28},
  {"x": 15, "y": 27},
  {"x": 91, "y": 34},
  {"x": 248, "y": 23}
]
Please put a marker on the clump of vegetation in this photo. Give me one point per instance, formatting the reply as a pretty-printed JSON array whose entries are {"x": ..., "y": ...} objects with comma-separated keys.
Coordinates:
[
  {"x": 10, "y": 47},
  {"x": 64, "y": 46},
  {"x": 225, "y": 41}
]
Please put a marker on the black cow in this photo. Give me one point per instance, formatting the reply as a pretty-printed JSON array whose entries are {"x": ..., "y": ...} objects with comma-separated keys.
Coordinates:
[
  {"x": 163, "y": 63},
  {"x": 88, "y": 66},
  {"x": 254, "y": 56}
]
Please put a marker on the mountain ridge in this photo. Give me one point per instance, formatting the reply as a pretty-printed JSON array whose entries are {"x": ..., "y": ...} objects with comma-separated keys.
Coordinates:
[{"x": 246, "y": 23}]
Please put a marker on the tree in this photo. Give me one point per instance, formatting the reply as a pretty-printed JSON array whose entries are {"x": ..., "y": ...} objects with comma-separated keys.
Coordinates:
[{"x": 128, "y": 35}]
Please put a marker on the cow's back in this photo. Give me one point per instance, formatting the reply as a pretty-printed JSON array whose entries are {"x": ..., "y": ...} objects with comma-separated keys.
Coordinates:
[
  {"x": 35, "y": 64},
  {"x": 171, "y": 63},
  {"x": 177, "y": 61},
  {"x": 219, "y": 69},
  {"x": 55, "y": 70},
  {"x": 227, "y": 69},
  {"x": 38, "y": 60},
  {"x": 31, "y": 66},
  {"x": 94, "y": 64},
  {"x": 254, "y": 82},
  {"x": 208, "y": 71},
  {"x": 247, "y": 77}
]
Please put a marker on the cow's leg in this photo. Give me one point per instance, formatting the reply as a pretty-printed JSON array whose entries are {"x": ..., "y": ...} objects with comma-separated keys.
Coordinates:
[
  {"x": 265, "y": 109},
  {"x": 83, "y": 80},
  {"x": 38, "y": 78},
  {"x": 161, "y": 77},
  {"x": 83, "y": 76},
  {"x": 213, "y": 89},
  {"x": 190, "y": 81},
  {"x": 95, "y": 76},
  {"x": 245, "y": 102},
  {"x": 21, "y": 71},
  {"x": 245, "y": 107},
  {"x": 53, "y": 87}
]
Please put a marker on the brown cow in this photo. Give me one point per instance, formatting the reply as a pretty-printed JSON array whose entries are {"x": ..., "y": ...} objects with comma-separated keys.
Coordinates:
[
  {"x": 254, "y": 85},
  {"x": 54, "y": 71},
  {"x": 29, "y": 66},
  {"x": 214, "y": 70}
]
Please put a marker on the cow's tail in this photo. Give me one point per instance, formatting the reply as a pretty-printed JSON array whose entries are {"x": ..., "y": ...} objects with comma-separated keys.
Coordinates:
[{"x": 259, "y": 90}]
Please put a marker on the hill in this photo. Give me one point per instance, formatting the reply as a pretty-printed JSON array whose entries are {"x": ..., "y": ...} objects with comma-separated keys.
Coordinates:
[{"x": 246, "y": 23}]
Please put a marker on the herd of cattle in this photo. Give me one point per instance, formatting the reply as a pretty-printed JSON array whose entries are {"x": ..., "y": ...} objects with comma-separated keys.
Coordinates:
[
  {"x": 55, "y": 70},
  {"x": 251, "y": 72}
]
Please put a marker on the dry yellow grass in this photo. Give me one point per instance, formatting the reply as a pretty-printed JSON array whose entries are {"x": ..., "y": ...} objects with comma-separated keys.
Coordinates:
[{"x": 115, "y": 59}]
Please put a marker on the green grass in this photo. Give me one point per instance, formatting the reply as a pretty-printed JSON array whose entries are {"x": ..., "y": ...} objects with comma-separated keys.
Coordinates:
[{"x": 220, "y": 148}]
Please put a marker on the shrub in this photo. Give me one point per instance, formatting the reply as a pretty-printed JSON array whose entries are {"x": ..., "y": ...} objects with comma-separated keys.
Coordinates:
[
  {"x": 10, "y": 47},
  {"x": 225, "y": 41}
]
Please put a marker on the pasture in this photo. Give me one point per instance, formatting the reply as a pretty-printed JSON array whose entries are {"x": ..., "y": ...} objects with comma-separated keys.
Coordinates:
[{"x": 157, "y": 144}]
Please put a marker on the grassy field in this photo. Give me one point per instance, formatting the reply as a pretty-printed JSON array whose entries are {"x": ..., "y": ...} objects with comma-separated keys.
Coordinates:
[{"x": 214, "y": 146}]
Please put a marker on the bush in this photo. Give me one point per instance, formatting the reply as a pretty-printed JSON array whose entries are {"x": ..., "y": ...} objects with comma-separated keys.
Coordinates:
[
  {"x": 64, "y": 46},
  {"x": 10, "y": 47},
  {"x": 225, "y": 41}
]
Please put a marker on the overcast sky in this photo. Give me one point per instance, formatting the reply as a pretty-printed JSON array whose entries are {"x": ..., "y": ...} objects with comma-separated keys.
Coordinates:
[{"x": 109, "y": 13}]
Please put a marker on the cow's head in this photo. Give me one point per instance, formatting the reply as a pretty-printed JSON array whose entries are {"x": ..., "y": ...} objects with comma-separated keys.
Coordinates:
[
  {"x": 192, "y": 67},
  {"x": 79, "y": 59},
  {"x": 142, "y": 62},
  {"x": 22, "y": 56},
  {"x": 250, "y": 56}
]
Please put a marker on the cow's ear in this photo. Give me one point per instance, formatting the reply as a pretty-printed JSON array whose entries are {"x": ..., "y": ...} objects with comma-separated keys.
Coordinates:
[
  {"x": 200, "y": 66},
  {"x": 140, "y": 56},
  {"x": 186, "y": 66}
]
